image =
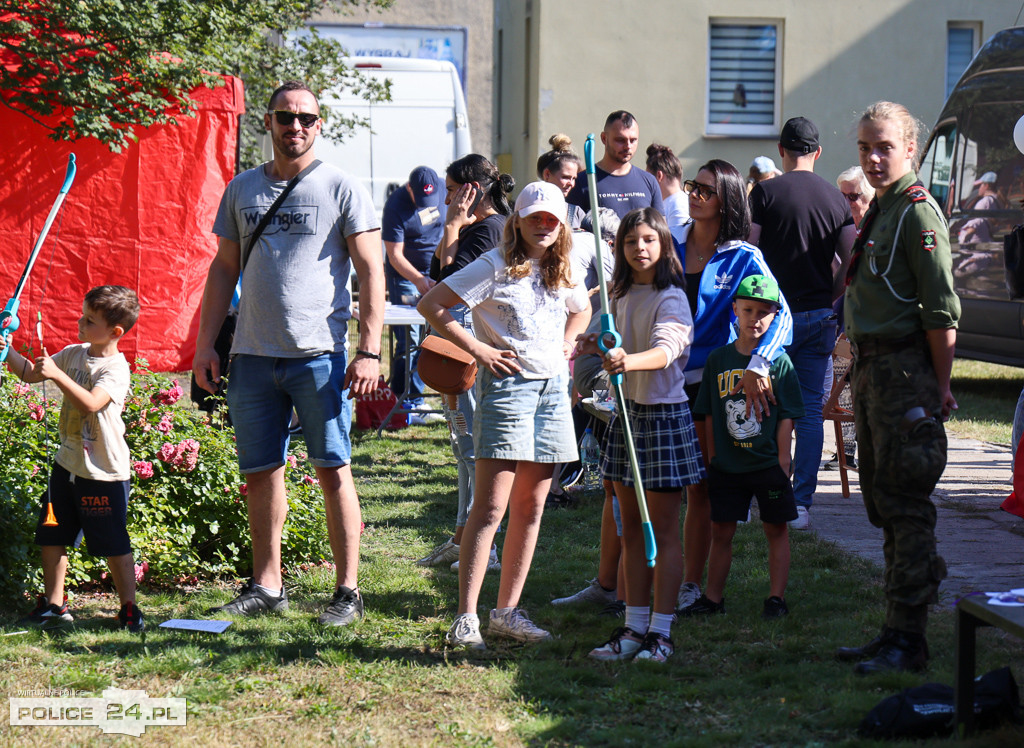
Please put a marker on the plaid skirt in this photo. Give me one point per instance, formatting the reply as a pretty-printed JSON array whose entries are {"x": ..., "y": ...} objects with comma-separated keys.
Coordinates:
[{"x": 666, "y": 448}]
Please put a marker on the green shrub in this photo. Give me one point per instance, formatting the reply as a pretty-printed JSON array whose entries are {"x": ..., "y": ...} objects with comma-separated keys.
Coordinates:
[{"x": 187, "y": 516}]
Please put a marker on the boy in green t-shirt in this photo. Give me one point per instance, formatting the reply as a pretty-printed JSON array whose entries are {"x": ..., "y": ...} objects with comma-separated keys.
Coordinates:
[{"x": 747, "y": 457}]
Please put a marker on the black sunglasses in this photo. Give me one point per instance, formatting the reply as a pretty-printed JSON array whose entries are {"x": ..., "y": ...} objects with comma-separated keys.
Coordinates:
[
  {"x": 702, "y": 191},
  {"x": 285, "y": 118},
  {"x": 852, "y": 196}
]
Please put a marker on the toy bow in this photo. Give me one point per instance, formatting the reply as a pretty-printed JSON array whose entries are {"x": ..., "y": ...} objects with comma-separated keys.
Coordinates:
[
  {"x": 609, "y": 339},
  {"x": 9, "y": 321}
]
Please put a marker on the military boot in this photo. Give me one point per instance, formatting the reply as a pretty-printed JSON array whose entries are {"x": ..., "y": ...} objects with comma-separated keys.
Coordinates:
[
  {"x": 902, "y": 650},
  {"x": 864, "y": 652}
]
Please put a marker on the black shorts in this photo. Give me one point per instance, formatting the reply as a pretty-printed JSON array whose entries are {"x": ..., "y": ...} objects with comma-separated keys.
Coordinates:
[
  {"x": 730, "y": 494},
  {"x": 96, "y": 508}
]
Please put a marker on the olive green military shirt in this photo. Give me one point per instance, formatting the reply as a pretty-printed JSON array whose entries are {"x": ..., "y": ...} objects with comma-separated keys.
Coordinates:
[{"x": 903, "y": 281}]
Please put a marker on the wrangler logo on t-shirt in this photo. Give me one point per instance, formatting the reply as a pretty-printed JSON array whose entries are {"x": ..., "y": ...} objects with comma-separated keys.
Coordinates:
[{"x": 291, "y": 219}]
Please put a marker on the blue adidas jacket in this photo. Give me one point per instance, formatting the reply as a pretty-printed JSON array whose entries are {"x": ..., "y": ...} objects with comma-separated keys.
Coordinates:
[{"x": 714, "y": 323}]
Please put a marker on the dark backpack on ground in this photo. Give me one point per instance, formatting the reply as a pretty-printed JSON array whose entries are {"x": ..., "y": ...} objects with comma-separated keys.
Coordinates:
[{"x": 928, "y": 710}]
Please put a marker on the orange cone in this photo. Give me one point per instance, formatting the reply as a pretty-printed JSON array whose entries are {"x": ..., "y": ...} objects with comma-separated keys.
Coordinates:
[{"x": 51, "y": 520}]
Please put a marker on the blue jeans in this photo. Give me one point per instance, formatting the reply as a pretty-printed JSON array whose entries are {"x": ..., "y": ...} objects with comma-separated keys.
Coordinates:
[
  {"x": 814, "y": 337},
  {"x": 399, "y": 287},
  {"x": 261, "y": 396}
]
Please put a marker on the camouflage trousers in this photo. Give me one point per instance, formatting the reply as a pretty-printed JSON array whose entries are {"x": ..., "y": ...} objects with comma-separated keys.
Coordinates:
[{"x": 902, "y": 446}]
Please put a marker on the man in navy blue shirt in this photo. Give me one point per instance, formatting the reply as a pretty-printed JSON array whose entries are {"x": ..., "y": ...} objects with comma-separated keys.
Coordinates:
[
  {"x": 620, "y": 186},
  {"x": 411, "y": 228}
]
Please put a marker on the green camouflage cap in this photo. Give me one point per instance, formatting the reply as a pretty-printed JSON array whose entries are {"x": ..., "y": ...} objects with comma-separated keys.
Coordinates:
[{"x": 759, "y": 288}]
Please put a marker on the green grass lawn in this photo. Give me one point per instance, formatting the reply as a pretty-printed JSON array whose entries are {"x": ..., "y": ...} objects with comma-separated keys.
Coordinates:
[
  {"x": 389, "y": 680},
  {"x": 987, "y": 395}
]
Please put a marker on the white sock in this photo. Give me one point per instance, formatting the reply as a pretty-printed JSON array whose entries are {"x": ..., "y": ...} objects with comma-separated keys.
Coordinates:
[
  {"x": 638, "y": 618},
  {"x": 661, "y": 623},
  {"x": 269, "y": 591}
]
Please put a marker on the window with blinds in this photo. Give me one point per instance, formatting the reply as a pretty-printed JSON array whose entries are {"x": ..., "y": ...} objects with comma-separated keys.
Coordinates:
[
  {"x": 960, "y": 41},
  {"x": 743, "y": 83}
]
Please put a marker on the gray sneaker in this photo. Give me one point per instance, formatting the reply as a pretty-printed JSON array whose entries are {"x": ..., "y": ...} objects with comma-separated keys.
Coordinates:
[
  {"x": 443, "y": 555},
  {"x": 252, "y": 600},
  {"x": 516, "y": 624},
  {"x": 465, "y": 632},
  {"x": 593, "y": 594},
  {"x": 689, "y": 593},
  {"x": 493, "y": 564}
]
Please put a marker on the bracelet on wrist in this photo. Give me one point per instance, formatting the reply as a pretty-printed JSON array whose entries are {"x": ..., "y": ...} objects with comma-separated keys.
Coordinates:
[{"x": 367, "y": 354}]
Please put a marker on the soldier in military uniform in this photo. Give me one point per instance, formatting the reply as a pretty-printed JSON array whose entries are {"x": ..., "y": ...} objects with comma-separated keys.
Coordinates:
[{"x": 901, "y": 316}]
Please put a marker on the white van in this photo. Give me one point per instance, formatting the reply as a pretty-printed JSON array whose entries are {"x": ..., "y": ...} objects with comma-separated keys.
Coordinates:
[{"x": 424, "y": 124}]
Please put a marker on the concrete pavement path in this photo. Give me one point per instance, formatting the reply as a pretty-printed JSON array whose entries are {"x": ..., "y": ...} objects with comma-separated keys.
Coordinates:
[{"x": 983, "y": 546}]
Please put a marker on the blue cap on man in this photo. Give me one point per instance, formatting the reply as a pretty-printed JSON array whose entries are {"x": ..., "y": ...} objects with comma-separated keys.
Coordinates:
[{"x": 427, "y": 187}]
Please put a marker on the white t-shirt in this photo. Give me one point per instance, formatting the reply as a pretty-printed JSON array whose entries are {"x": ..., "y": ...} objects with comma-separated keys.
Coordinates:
[
  {"x": 677, "y": 209},
  {"x": 519, "y": 315},
  {"x": 92, "y": 445}
]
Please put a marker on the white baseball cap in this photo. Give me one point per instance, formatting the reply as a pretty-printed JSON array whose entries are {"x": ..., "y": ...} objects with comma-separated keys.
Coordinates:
[{"x": 539, "y": 197}]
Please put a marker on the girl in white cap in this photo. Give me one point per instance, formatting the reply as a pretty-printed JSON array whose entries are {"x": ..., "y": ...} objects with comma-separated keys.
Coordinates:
[{"x": 527, "y": 311}]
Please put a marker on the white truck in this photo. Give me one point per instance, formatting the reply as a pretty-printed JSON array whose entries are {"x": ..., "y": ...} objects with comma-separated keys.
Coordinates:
[{"x": 424, "y": 124}]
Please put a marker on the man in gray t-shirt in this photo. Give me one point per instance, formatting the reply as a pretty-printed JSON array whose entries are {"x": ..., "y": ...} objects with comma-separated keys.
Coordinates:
[{"x": 291, "y": 340}]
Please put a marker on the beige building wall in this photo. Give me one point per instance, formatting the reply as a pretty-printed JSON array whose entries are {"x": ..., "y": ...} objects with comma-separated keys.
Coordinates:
[
  {"x": 563, "y": 65},
  {"x": 477, "y": 17}
]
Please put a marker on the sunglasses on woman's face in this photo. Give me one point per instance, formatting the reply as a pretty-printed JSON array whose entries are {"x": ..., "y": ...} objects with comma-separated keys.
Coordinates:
[
  {"x": 852, "y": 196},
  {"x": 701, "y": 191},
  {"x": 285, "y": 118}
]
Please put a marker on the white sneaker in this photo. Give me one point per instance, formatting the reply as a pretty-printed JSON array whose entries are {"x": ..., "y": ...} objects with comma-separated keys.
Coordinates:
[
  {"x": 493, "y": 564},
  {"x": 515, "y": 624},
  {"x": 803, "y": 519},
  {"x": 689, "y": 593},
  {"x": 430, "y": 418},
  {"x": 465, "y": 632},
  {"x": 443, "y": 555},
  {"x": 592, "y": 593},
  {"x": 622, "y": 646}
]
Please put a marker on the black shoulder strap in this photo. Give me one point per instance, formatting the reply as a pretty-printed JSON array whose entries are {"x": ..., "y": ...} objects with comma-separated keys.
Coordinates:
[{"x": 273, "y": 209}]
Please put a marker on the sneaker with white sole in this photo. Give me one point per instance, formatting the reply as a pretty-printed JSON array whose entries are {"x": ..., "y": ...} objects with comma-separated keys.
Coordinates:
[
  {"x": 465, "y": 632},
  {"x": 493, "y": 564},
  {"x": 689, "y": 593},
  {"x": 346, "y": 606},
  {"x": 514, "y": 623},
  {"x": 443, "y": 555},
  {"x": 593, "y": 593},
  {"x": 47, "y": 614},
  {"x": 252, "y": 599},
  {"x": 803, "y": 519},
  {"x": 656, "y": 648},
  {"x": 623, "y": 644}
]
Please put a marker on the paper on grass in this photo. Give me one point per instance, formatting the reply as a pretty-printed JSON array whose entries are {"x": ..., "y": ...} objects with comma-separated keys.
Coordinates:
[{"x": 189, "y": 624}]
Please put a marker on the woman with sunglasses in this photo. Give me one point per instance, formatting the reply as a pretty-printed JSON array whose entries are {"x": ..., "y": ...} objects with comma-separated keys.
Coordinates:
[
  {"x": 716, "y": 257},
  {"x": 477, "y": 211}
]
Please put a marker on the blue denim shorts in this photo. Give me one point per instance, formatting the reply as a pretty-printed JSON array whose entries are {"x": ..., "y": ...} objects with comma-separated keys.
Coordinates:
[
  {"x": 261, "y": 394},
  {"x": 523, "y": 419}
]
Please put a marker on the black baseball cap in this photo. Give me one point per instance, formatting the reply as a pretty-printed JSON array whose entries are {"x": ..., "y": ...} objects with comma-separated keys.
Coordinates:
[{"x": 799, "y": 134}]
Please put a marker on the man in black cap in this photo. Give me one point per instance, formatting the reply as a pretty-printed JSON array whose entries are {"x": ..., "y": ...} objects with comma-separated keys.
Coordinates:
[
  {"x": 802, "y": 223},
  {"x": 411, "y": 228}
]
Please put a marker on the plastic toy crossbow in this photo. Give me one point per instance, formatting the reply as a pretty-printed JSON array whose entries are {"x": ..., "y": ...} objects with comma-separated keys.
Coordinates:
[
  {"x": 606, "y": 341},
  {"x": 9, "y": 321}
]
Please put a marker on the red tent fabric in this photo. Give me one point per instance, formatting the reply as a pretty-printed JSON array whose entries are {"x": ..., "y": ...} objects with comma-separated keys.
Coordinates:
[{"x": 141, "y": 218}]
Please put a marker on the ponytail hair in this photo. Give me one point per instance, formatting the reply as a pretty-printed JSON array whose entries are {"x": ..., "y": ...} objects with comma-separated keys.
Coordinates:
[
  {"x": 495, "y": 185},
  {"x": 661, "y": 158}
]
